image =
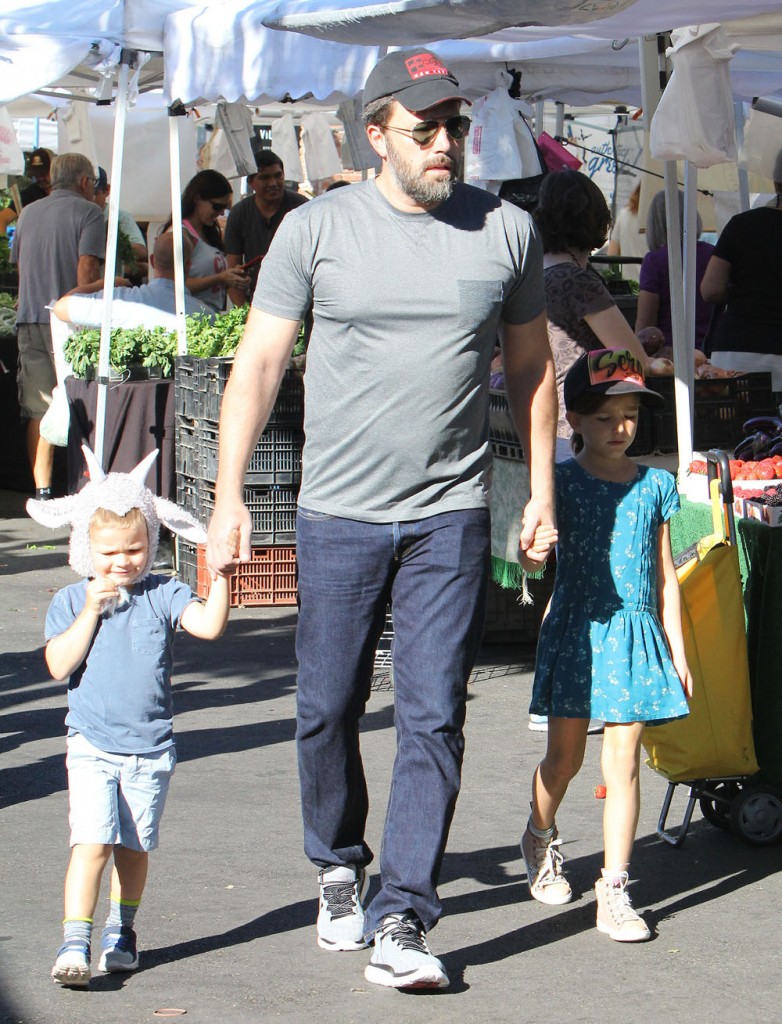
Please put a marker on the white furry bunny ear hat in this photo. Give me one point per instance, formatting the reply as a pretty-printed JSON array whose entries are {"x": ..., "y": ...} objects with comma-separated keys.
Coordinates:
[{"x": 118, "y": 493}]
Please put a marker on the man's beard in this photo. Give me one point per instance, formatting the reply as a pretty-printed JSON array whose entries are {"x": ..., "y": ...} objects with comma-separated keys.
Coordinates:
[{"x": 415, "y": 183}]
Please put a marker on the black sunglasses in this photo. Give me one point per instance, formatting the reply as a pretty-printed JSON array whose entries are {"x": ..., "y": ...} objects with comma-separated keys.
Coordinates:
[{"x": 424, "y": 132}]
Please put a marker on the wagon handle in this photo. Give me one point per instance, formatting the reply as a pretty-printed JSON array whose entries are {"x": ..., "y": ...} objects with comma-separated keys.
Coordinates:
[{"x": 718, "y": 468}]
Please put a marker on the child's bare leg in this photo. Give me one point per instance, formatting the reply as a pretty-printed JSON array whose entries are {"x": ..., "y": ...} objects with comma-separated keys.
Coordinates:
[
  {"x": 621, "y": 767},
  {"x": 621, "y": 760},
  {"x": 564, "y": 757},
  {"x": 83, "y": 878},
  {"x": 539, "y": 844},
  {"x": 118, "y": 942},
  {"x": 130, "y": 874}
]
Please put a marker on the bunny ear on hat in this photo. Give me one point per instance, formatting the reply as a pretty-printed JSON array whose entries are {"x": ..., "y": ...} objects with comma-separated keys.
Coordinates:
[
  {"x": 55, "y": 513},
  {"x": 179, "y": 521}
]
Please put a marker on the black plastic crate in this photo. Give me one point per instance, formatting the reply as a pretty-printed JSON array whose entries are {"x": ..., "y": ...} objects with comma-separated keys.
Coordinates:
[
  {"x": 643, "y": 443},
  {"x": 721, "y": 407},
  {"x": 187, "y": 563},
  {"x": 276, "y": 458},
  {"x": 272, "y": 511},
  {"x": 188, "y": 450},
  {"x": 200, "y": 384}
]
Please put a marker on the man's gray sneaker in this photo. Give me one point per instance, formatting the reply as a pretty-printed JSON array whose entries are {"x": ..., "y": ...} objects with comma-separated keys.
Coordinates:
[
  {"x": 340, "y": 911},
  {"x": 401, "y": 957}
]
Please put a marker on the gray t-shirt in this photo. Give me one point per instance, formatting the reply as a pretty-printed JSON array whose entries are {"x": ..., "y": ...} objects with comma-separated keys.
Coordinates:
[
  {"x": 120, "y": 697},
  {"x": 407, "y": 309},
  {"x": 50, "y": 237}
]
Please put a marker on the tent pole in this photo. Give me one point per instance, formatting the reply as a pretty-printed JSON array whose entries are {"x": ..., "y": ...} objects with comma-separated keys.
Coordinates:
[
  {"x": 126, "y": 59},
  {"x": 738, "y": 117},
  {"x": 175, "y": 111},
  {"x": 684, "y": 340},
  {"x": 653, "y": 81}
]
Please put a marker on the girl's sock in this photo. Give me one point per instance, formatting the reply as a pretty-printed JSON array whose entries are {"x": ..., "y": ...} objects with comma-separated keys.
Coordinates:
[
  {"x": 541, "y": 833},
  {"x": 122, "y": 913},
  {"x": 77, "y": 929},
  {"x": 614, "y": 879}
]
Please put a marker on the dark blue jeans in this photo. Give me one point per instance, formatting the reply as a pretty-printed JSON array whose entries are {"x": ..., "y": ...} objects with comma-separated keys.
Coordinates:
[{"x": 435, "y": 572}]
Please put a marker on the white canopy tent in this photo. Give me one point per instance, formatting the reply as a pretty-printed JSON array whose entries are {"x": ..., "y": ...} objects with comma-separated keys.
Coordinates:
[{"x": 211, "y": 50}]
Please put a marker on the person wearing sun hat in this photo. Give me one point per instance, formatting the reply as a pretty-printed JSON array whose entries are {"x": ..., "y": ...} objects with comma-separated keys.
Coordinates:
[{"x": 412, "y": 275}]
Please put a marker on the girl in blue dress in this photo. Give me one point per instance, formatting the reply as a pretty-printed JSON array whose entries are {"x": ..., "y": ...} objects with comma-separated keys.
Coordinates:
[{"x": 611, "y": 646}]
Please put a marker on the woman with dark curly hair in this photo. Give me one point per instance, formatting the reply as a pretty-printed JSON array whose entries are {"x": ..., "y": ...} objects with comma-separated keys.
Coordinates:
[
  {"x": 573, "y": 219},
  {"x": 206, "y": 197}
]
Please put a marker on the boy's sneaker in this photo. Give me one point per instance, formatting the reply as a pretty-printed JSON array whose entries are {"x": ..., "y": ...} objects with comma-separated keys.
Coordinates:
[
  {"x": 340, "y": 911},
  {"x": 401, "y": 958},
  {"x": 118, "y": 950},
  {"x": 544, "y": 869},
  {"x": 615, "y": 914},
  {"x": 72, "y": 966}
]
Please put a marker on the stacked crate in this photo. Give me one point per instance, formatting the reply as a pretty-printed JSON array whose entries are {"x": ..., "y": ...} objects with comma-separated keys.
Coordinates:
[{"x": 271, "y": 485}]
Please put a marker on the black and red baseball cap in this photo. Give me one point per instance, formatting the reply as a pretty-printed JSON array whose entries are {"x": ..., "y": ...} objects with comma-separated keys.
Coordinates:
[
  {"x": 608, "y": 371},
  {"x": 415, "y": 78}
]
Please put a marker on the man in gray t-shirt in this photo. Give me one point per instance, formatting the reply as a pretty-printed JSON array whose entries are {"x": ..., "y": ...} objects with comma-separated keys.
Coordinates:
[
  {"x": 412, "y": 277},
  {"x": 58, "y": 244}
]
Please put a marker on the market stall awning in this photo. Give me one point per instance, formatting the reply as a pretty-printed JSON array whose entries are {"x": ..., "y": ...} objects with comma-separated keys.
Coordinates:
[{"x": 411, "y": 22}]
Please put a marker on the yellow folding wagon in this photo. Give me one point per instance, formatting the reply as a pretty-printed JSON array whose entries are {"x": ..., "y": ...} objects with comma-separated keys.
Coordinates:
[{"x": 711, "y": 750}]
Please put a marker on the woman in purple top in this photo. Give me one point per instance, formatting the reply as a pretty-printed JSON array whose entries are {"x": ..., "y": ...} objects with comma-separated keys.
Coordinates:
[{"x": 654, "y": 298}]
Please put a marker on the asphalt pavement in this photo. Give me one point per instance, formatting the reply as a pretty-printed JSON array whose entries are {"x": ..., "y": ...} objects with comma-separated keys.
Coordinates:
[{"x": 226, "y": 928}]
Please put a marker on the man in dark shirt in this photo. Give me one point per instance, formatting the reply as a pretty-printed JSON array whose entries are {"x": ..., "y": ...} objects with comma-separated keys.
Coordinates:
[
  {"x": 38, "y": 168},
  {"x": 253, "y": 221}
]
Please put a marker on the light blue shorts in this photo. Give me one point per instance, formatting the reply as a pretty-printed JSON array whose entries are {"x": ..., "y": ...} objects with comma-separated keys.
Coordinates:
[{"x": 116, "y": 798}]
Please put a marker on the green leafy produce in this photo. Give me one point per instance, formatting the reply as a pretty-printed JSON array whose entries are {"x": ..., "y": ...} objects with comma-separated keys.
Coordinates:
[
  {"x": 6, "y": 266},
  {"x": 126, "y": 258},
  {"x": 7, "y": 301},
  {"x": 221, "y": 338},
  {"x": 157, "y": 348},
  {"x": 137, "y": 346}
]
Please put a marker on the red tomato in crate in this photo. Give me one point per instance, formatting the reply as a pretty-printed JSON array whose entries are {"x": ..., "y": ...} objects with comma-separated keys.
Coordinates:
[
  {"x": 765, "y": 470},
  {"x": 778, "y": 470},
  {"x": 698, "y": 466}
]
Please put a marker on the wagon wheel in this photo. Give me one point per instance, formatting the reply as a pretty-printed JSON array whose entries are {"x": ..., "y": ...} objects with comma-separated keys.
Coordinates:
[
  {"x": 715, "y": 806},
  {"x": 756, "y": 816}
]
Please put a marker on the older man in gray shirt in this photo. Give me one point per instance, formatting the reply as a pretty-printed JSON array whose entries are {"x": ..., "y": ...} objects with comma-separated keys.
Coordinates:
[
  {"x": 59, "y": 243},
  {"x": 147, "y": 305}
]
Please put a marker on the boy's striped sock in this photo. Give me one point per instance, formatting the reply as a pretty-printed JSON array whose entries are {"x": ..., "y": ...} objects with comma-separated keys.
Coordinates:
[
  {"x": 77, "y": 930},
  {"x": 122, "y": 913}
]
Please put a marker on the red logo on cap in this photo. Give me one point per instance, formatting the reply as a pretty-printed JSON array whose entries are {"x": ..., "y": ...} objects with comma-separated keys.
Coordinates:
[{"x": 425, "y": 64}]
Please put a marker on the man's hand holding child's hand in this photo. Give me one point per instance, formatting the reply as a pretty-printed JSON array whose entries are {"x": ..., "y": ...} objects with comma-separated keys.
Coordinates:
[{"x": 533, "y": 559}]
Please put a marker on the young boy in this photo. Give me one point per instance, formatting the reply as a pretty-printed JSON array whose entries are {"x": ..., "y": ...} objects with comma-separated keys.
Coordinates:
[{"x": 112, "y": 634}]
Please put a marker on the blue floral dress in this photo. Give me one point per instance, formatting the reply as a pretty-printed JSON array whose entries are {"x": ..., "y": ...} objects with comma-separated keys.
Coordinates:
[{"x": 602, "y": 651}]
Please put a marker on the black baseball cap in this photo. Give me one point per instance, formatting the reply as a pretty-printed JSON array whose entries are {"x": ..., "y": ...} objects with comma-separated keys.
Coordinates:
[
  {"x": 416, "y": 78},
  {"x": 608, "y": 371},
  {"x": 39, "y": 162},
  {"x": 103, "y": 181}
]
